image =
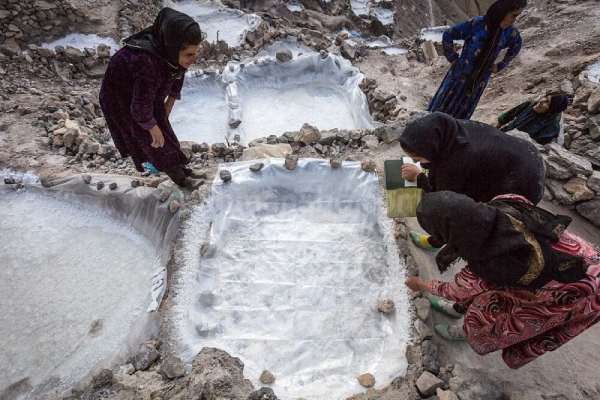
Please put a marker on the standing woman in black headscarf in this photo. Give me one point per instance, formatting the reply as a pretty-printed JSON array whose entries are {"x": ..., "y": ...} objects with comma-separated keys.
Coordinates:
[
  {"x": 484, "y": 37},
  {"x": 140, "y": 87}
]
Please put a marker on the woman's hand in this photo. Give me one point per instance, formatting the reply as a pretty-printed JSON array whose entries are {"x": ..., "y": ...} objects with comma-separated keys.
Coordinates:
[
  {"x": 410, "y": 172},
  {"x": 158, "y": 139},
  {"x": 415, "y": 283}
]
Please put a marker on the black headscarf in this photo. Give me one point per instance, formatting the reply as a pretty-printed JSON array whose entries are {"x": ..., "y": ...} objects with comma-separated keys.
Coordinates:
[
  {"x": 166, "y": 37},
  {"x": 434, "y": 136},
  {"x": 494, "y": 16},
  {"x": 558, "y": 103},
  {"x": 505, "y": 242}
]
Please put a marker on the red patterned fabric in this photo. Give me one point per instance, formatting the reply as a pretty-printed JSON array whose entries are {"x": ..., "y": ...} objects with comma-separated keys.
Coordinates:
[{"x": 525, "y": 324}]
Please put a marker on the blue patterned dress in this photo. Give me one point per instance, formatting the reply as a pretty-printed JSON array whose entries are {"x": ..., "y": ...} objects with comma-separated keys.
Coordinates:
[{"x": 453, "y": 97}]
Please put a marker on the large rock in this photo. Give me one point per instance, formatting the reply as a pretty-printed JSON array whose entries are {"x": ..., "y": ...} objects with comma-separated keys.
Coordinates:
[
  {"x": 73, "y": 55},
  {"x": 559, "y": 193},
  {"x": 578, "y": 189},
  {"x": 366, "y": 380},
  {"x": 349, "y": 49},
  {"x": 576, "y": 164},
  {"x": 590, "y": 210},
  {"x": 430, "y": 356},
  {"x": 218, "y": 376},
  {"x": 593, "y": 104},
  {"x": 427, "y": 384},
  {"x": 423, "y": 308},
  {"x": 593, "y": 124},
  {"x": 308, "y": 134},
  {"x": 263, "y": 394},
  {"x": 146, "y": 356},
  {"x": 557, "y": 171},
  {"x": 593, "y": 182},
  {"x": 266, "y": 151},
  {"x": 172, "y": 367},
  {"x": 284, "y": 55},
  {"x": 370, "y": 141}
]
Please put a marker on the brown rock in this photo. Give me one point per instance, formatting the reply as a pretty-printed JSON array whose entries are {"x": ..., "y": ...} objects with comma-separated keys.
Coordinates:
[
  {"x": 578, "y": 189},
  {"x": 446, "y": 395},
  {"x": 366, "y": 380},
  {"x": 267, "y": 378},
  {"x": 386, "y": 306},
  {"x": 335, "y": 163},
  {"x": 368, "y": 166},
  {"x": 291, "y": 162},
  {"x": 593, "y": 104},
  {"x": 427, "y": 384}
]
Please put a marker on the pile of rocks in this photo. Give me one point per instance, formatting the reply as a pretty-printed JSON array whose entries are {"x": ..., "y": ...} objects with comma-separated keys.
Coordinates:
[
  {"x": 135, "y": 15},
  {"x": 30, "y": 21},
  {"x": 582, "y": 132},
  {"x": 382, "y": 105},
  {"x": 150, "y": 374}
]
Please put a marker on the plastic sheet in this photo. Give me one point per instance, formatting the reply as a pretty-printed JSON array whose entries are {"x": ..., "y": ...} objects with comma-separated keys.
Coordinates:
[
  {"x": 82, "y": 40},
  {"x": 75, "y": 285},
  {"x": 264, "y": 96},
  {"x": 284, "y": 270},
  {"x": 218, "y": 21}
]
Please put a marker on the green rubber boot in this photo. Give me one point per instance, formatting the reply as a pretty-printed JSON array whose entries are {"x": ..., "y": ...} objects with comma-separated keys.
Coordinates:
[
  {"x": 444, "y": 306},
  {"x": 451, "y": 332},
  {"x": 421, "y": 241}
]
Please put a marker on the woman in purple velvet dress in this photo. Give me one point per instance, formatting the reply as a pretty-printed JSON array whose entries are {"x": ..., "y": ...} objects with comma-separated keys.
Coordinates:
[{"x": 140, "y": 87}]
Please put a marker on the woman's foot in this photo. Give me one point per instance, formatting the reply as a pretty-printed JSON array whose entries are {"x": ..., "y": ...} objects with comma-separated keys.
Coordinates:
[
  {"x": 444, "y": 306},
  {"x": 422, "y": 241},
  {"x": 451, "y": 332},
  {"x": 149, "y": 167}
]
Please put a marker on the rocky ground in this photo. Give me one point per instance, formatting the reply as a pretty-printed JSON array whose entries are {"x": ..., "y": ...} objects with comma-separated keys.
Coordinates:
[{"x": 51, "y": 124}]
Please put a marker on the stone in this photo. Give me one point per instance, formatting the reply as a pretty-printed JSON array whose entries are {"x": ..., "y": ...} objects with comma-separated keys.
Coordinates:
[
  {"x": 335, "y": 163},
  {"x": 368, "y": 165},
  {"x": 308, "y": 134},
  {"x": 429, "y": 51},
  {"x": 200, "y": 148},
  {"x": 103, "y": 51},
  {"x": 86, "y": 179},
  {"x": 100, "y": 185},
  {"x": 593, "y": 182},
  {"x": 73, "y": 54},
  {"x": 136, "y": 183},
  {"x": 386, "y": 306},
  {"x": 349, "y": 50},
  {"x": 593, "y": 125},
  {"x": 430, "y": 356},
  {"x": 127, "y": 369},
  {"x": 10, "y": 181},
  {"x": 256, "y": 167},
  {"x": 593, "y": 103},
  {"x": 267, "y": 378},
  {"x": 218, "y": 149},
  {"x": 576, "y": 164},
  {"x": 366, "y": 380},
  {"x": 427, "y": 384},
  {"x": 423, "y": 330},
  {"x": 171, "y": 368},
  {"x": 284, "y": 55},
  {"x": 557, "y": 171},
  {"x": 113, "y": 186},
  {"x": 388, "y": 134},
  {"x": 423, "y": 308},
  {"x": 70, "y": 137},
  {"x": 578, "y": 189},
  {"x": 446, "y": 395},
  {"x": 370, "y": 141},
  {"x": 266, "y": 151},
  {"x": 217, "y": 375},
  {"x": 558, "y": 192},
  {"x": 566, "y": 86},
  {"x": 225, "y": 175},
  {"x": 590, "y": 210},
  {"x": 263, "y": 394},
  {"x": 174, "y": 206},
  {"x": 102, "y": 379},
  {"x": 146, "y": 355},
  {"x": 291, "y": 162},
  {"x": 90, "y": 147}
]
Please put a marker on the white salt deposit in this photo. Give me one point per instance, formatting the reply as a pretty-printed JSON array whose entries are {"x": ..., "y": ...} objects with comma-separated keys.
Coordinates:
[
  {"x": 434, "y": 33},
  {"x": 384, "y": 15},
  {"x": 202, "y": 113},
  {"x": 218, "y": 21},
  {"x": 293, "y": 267},
  {"x": 593, "y": 72},
  {"x": 22, "y": 177},
  {"x": 74, "y": 283},
  {"x": 395, "y": 51},
  {"x": 294, "y": 6},
  {"x": 360, "y": 7},
  {"x": 82, "y": 40}
]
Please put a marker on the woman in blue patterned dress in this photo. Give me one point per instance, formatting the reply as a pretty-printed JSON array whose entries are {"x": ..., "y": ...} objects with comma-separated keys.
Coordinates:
[{"x": 484, "y": 36}]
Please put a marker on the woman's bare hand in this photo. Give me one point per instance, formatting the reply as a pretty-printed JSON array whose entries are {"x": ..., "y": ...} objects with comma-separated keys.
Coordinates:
[
  {"x": 158, "y": 139},
  {"x": 410, "y": 172},
  {"x": 416, "y": 284}
]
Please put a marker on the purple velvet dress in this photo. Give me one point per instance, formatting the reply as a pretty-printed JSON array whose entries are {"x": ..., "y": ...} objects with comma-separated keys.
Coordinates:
[{"x": 132, "y": 98}]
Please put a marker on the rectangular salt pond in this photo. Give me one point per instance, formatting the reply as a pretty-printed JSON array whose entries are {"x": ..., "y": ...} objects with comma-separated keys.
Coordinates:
[
  {"x": 291, "y": 269},
  {"x": 275, "y": 110},
  {"x": 74, "y": 284}
]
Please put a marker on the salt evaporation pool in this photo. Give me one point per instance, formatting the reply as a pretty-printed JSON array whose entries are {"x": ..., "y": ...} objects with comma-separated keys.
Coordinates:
[
  {"x": 216, "y": 20},
  {"x": 284, "y": 270},
  {"x": 75, "y": 283},
  {"x": 82, "y": 40},
  {"x": 367, "y": 8},
  {"x": 267, "y": 97},
  {"x": 433, "y": 33}
]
